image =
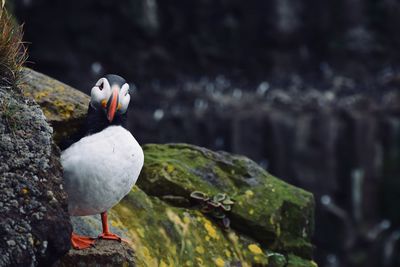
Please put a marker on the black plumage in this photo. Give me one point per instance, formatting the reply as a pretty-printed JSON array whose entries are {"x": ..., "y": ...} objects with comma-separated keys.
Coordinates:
[{"x": 96, "y": 119}]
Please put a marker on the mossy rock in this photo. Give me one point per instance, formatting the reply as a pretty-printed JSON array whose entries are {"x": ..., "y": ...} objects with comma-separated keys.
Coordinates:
[
  {"x": 65, "y": 108},
  {"x": 274, "y": 213},
  {"x": 163, "y": 235}
]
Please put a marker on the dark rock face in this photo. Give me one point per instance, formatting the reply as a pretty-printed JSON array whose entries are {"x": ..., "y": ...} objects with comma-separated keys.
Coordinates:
[
  {"x": 146, "y": 39},
  {"x": 34, "y": 224}
]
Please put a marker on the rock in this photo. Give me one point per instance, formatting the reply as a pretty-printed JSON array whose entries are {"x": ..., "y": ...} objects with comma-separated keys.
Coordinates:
[
  {"x": 270, "y": 219},
  {"x": 64, "y": 107},
  {"x": 33, "y": 232},
  {"x": 164, "y": 235},
  {"x": 106, "y": 253},
  {"x": 274, "y": 213}
]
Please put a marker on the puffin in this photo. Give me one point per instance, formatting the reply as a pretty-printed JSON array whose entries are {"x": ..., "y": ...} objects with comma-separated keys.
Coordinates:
[{"x": 103, "y": 160}]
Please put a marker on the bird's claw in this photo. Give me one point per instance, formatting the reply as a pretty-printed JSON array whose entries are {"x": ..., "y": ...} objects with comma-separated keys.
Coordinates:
[
  {"x": 111, "y": 236},
  {"x": 81, "y": 242}
]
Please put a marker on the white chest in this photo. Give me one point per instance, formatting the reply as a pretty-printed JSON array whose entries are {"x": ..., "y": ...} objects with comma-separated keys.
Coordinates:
[{"x": 99, "y": 170}]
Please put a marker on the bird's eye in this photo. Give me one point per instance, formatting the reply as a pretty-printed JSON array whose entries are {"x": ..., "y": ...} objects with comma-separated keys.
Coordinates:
[{"x": 101, "y": 86}]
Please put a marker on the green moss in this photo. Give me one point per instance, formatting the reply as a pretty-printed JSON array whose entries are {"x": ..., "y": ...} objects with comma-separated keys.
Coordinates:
[
  {"x": 294, "y": 261},
  {"x": 276, "y": 214},
  {"x": 276, "y": 260},
  {"x": 162, "y": 234}
]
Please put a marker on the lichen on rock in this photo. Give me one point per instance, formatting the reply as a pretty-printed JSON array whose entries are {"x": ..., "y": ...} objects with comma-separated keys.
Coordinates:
[
  {"x": 34, "y": 223},
  {"x": 64, "y": 107}
]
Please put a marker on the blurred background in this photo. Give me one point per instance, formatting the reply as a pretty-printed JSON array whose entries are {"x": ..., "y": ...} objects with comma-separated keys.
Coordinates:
[{"x": 309, "y": 89}]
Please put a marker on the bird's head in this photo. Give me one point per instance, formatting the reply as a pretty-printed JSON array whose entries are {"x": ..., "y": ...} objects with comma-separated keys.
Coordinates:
[{"x": 110, "y": 94}]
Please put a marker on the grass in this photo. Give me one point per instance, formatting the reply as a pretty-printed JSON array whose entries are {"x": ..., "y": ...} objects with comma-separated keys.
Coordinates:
[
  {"x": 13, "y": 53},
  {"x": 12, "y": 57},
  {"x": 9, "y": 114}
]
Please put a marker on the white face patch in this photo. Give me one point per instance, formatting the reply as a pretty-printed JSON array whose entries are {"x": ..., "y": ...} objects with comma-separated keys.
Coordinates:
[
  {"x": 102, "y": 91},
  {"x": 124, "y": 98}
]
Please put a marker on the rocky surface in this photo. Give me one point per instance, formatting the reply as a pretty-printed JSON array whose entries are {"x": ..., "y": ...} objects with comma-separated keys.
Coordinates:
[
  {"x": 64, "y": 108},
  {"x": 34, "y": 223},
  {"x": 271, "y": 221},
  {"x": 274, "y": 213},
  {"x": 105, "y": 254}
]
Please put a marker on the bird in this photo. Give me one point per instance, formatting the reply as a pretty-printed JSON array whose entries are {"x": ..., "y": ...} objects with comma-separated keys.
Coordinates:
[{"x": 103, "y": 160}]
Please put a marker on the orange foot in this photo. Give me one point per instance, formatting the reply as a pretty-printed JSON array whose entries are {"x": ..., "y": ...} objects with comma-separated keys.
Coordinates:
[
  {"x": 81, "y": 242},
  {"x": 111, "y": 236}
]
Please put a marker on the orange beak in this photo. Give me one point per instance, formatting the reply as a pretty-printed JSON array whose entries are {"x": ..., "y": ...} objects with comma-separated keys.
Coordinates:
[{"x": 113, "y": 103}]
